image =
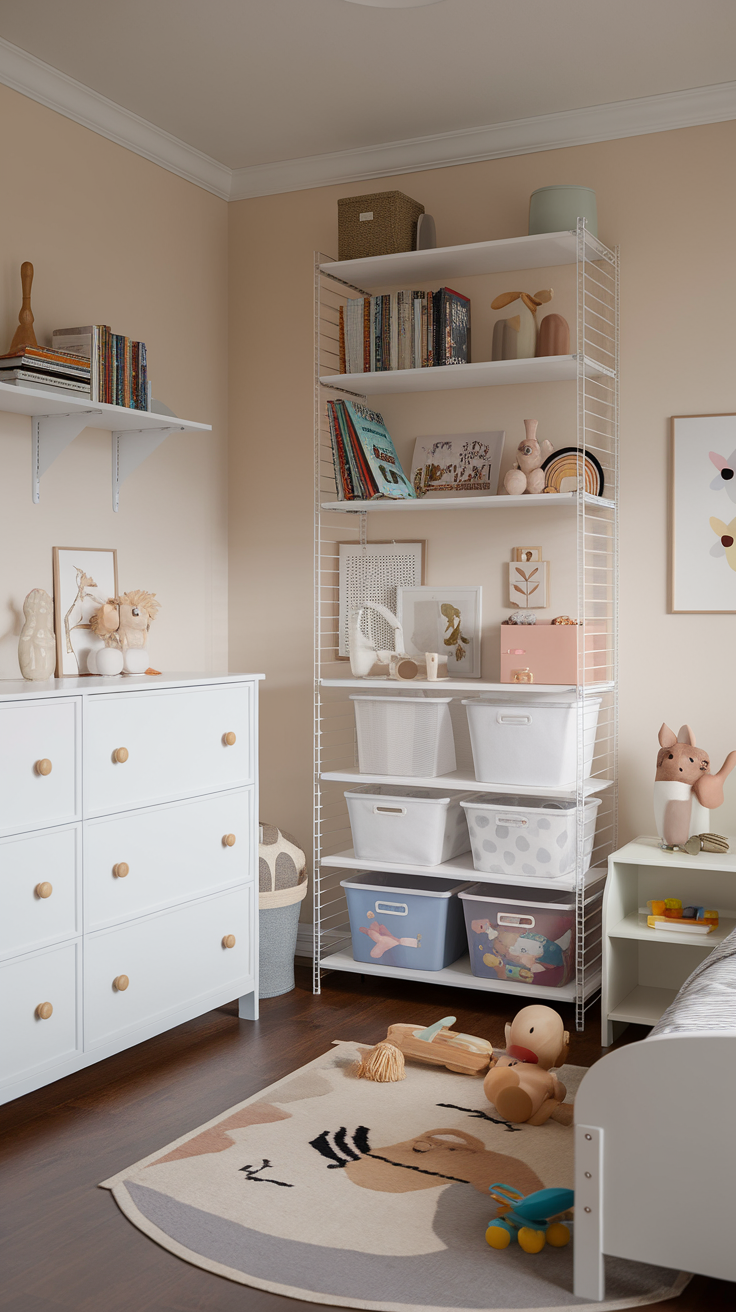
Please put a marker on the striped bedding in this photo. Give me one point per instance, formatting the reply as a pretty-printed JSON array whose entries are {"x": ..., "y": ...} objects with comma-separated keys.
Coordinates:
[{"x": 707, "y": 1000}]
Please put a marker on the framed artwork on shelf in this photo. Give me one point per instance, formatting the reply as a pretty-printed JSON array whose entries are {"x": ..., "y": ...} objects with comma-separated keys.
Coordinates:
[
  {"x": 457, "y": 465},
  {"x": 529, "y": 584},
  {"x": 373, "y": 571},
  {"x": 84, "y": 578},
  {"x": 703, "y": 515},
  {"x": 446, "y": 620}
]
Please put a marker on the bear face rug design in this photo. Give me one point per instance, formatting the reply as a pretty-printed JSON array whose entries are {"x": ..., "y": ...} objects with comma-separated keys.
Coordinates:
[{"x": 337, "y": 1190}]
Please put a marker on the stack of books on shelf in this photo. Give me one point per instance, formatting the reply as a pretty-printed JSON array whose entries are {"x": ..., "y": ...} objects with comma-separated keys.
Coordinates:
[
  {"x": 60, "y": 372},
  {"x": 364, "y": 457},
  {"x": 118, "y": 373},
  {"x": 404, "y": 330}
]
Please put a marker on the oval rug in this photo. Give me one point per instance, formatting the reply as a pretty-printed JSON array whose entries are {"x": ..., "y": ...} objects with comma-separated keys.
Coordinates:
[{"x": 336, "y": 1190}]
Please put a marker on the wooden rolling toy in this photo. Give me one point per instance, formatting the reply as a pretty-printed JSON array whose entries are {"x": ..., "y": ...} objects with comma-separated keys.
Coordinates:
[{"x": 441, "y": 1046}]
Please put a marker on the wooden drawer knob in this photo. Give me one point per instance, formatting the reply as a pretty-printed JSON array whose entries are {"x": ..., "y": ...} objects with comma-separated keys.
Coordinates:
[
  {"x": 229, "y": 739},
  {"x": 120, "y": 755},
  {"x": 228, "y": 840},
  {"x": 43, "y": 767},
  {"x": 44, "y": 890},
  {"x": 44, "y": 1010},
  {"x": 121, "y": 870},
  {"x": 228, "y": 941},
  {"x": 120, "y": 983}
]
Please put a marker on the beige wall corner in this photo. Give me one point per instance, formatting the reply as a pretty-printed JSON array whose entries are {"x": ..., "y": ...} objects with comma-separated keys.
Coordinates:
[
  {"x": 668, "y": 200},
  {"x": 115, "y": 239}
]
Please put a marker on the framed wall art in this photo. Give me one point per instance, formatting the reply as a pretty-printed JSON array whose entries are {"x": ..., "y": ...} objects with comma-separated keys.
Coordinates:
[
  {"x": 446, "y": 620},
  {"x": 703, "y": 515},
  {"x": 84, "y": 578},
  {"x": 373, "y": 572},
  {"x": 457, "y": 464}
]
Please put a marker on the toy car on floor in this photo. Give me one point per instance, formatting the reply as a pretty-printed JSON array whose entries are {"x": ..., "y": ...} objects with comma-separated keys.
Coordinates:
[{"x": 529, "y": 1220}]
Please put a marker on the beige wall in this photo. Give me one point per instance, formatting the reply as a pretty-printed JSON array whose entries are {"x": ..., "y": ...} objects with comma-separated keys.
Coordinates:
[
  {"x": 668, "y": 200},
  {"x": 115, "y": 239}
]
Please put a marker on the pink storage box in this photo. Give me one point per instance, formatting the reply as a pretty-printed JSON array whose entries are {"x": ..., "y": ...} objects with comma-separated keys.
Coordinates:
[{"x": 548, "y": 653}]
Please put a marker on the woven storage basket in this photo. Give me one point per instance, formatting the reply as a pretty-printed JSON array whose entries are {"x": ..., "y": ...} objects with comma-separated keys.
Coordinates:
[{"x": 381, "y": 224}]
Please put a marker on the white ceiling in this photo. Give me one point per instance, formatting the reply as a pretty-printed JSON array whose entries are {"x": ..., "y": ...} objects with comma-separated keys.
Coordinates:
[{"x": 250, "y": 82}]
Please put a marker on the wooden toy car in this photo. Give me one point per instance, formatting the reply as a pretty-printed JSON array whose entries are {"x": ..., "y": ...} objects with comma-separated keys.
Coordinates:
[{"x": 441, "y": 1046}]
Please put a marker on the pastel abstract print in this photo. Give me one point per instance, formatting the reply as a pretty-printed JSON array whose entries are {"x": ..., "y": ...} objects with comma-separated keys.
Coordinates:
[
  {"x": 726, "y": 544},
  {"x": 704, "y": 514}
]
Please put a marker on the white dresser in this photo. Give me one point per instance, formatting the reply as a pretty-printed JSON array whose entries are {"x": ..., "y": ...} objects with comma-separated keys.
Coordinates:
[{"x": 128, "y": 854}]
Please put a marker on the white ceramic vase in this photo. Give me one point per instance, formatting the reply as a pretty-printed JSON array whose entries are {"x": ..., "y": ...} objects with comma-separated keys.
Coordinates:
[
  {"x": 136, "y": 660},
  {"x": 109, "y": 661},
  {"x": 36, "y": 645}
]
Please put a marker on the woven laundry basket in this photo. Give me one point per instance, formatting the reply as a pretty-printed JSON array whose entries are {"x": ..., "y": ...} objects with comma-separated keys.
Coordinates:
[
  {"x": 282, "y": 885},
  {"x": 383, "y": 223}
]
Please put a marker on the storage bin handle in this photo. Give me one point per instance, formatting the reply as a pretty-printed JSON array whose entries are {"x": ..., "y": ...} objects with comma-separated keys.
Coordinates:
[
  {"x": 515, "y": 921},
  {"x": 391, "y": 908},
  {"x": 513, "y": 719},
  {"x": 512, "y": 821},
  {"x": 389, "y": 810}
]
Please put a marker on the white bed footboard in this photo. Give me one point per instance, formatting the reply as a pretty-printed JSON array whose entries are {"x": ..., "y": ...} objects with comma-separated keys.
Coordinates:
[{"x": 655, "y": 1158}]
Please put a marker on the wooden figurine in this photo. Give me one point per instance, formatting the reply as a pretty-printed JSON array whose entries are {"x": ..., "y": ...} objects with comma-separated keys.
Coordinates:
[
  {"x": 684, "y": 789},
  {"x": 554, "y": 336},
  {"x": 520, "y": 1084},
  {"x": 24, "y": 334},
  {"x": 516, "y": 338},
  {"x": 526, "y": 474}
]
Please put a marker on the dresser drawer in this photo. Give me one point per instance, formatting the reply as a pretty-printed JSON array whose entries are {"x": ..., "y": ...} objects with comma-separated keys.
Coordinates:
[
  {"x": 142, "y": 861},
  {"x": 170, "y": 959},
  {"x": 39, "y": 889},
  {"x": 32, "y": 735},
  {"x": 28, "y": 1042},
  {"x": 174, "y": 743}
]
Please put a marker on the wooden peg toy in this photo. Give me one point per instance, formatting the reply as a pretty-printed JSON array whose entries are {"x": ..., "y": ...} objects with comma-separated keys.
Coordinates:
[{"x": 24, "y": 334}]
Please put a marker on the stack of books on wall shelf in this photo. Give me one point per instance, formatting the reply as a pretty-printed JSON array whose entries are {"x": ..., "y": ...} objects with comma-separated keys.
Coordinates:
[
  {"x": 118, "y": 372},
  {"x": 59, "y": 372},
  {"x": 404, "y": 330},
  {"x": 364, "y": 457}
]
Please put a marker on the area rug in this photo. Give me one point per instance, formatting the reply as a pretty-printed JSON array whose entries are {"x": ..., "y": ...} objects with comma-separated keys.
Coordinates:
[{"x": 336, "y": 1190}]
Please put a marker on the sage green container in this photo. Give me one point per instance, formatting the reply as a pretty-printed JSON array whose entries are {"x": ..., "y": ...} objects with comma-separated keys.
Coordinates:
[{"x": 557, "y": 209}]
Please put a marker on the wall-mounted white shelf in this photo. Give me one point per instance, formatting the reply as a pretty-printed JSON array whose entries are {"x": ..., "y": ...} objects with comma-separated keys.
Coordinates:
[
  {"x": 409, "y": 268},
  {"x": 450, "y": 686},
  {"x": 463, "y": 867},
  {"x": 463, "y": 782},
  {"x": 485, "y": 373},
  {"x": 56, "y": 420},
  {"x": 459, "y": 976},
  {"x": 539, "y": 500}
]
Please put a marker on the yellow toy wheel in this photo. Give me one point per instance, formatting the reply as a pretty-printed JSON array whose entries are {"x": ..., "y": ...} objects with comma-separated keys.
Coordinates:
[
  {"x": 558, "y": 1235},
  {"x": 532, "y": 1241},
  {"x": 498, "y": 1236}
]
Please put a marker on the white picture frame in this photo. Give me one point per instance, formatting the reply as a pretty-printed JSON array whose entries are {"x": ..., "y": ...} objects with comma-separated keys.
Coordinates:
[
  {"x": 457, "y": 465},
  {"x": 84, "y": 579},
  {"x": 703, "y": 514},
  {"x": 421, "y": 615}
]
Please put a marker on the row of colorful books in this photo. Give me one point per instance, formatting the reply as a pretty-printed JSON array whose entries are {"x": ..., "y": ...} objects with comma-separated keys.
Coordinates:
[
  {"x": 118, "y": 365},
  {"x": 59, "y": 372},
  {"x": 364, "y": 457},
  {"x": 404, "y": 330}
]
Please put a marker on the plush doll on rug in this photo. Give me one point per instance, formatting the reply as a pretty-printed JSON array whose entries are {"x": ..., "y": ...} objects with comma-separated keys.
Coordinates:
[
  {"x": 684, "y": 789},
  {"x": 520, "y": 1084}
]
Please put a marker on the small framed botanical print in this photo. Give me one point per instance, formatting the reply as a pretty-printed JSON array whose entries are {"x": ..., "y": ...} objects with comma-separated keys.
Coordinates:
[{"x": 446, "y": 620}]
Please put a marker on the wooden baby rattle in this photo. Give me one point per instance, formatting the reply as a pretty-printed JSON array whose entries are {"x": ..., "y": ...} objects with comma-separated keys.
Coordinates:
[{"x": 24, "y": 334}]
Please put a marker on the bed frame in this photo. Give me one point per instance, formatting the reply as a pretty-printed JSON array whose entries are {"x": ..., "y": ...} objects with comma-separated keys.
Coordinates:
[{"x": 655, "y": 1158}]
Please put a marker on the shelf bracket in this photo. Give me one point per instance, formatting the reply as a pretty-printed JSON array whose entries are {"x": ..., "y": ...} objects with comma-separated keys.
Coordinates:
[
  {"x": 51, "y": 435},
  {"x": 130, "y": 448}
]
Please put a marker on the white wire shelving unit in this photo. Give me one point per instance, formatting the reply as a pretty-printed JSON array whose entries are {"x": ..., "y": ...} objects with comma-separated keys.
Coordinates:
[{"x": 592, "y": 372}]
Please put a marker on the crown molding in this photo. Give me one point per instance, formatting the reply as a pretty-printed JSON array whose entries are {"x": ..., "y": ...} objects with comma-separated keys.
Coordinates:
[
  {"x": 40, "y": 82},
  {"x": 624, "y": 118},
  {"x": 524, "y": 136}
]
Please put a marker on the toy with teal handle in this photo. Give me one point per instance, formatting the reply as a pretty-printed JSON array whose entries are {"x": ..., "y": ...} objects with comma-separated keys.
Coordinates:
[{"x": 528, "y": 1220}]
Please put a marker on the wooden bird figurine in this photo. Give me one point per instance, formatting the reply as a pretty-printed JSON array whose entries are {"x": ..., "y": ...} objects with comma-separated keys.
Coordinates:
[{"x": 24, "y": 334}]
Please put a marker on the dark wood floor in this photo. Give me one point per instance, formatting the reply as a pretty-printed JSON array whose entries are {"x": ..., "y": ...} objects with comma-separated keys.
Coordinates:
[{"x": 65, "y": 1245}]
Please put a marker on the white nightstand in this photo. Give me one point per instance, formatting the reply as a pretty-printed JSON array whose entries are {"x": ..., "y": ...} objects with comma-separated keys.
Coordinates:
[{"x": 643, "y": 968}]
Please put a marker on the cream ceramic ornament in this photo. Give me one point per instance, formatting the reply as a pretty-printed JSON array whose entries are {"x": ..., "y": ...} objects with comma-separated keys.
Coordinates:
[
  {"x": 516, "y": 338},
  {"x": 526, "y": 474},
  {"x": 37, "y": 645}
]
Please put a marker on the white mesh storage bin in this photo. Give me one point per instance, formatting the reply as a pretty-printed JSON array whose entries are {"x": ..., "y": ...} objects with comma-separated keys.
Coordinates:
[
  {"x": 410, "y": 736},
  {"x": 512, "y": 835},
  {"x": 530, "y": 741},
  {"x": 412, "y": 826}
]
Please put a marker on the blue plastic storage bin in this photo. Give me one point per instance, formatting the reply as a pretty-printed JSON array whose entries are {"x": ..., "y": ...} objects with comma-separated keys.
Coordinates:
[{"x": 411, "y": 921}]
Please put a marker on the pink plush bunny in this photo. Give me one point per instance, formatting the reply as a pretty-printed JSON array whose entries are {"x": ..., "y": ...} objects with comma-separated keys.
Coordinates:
[{"x": 684, "y": 789}]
